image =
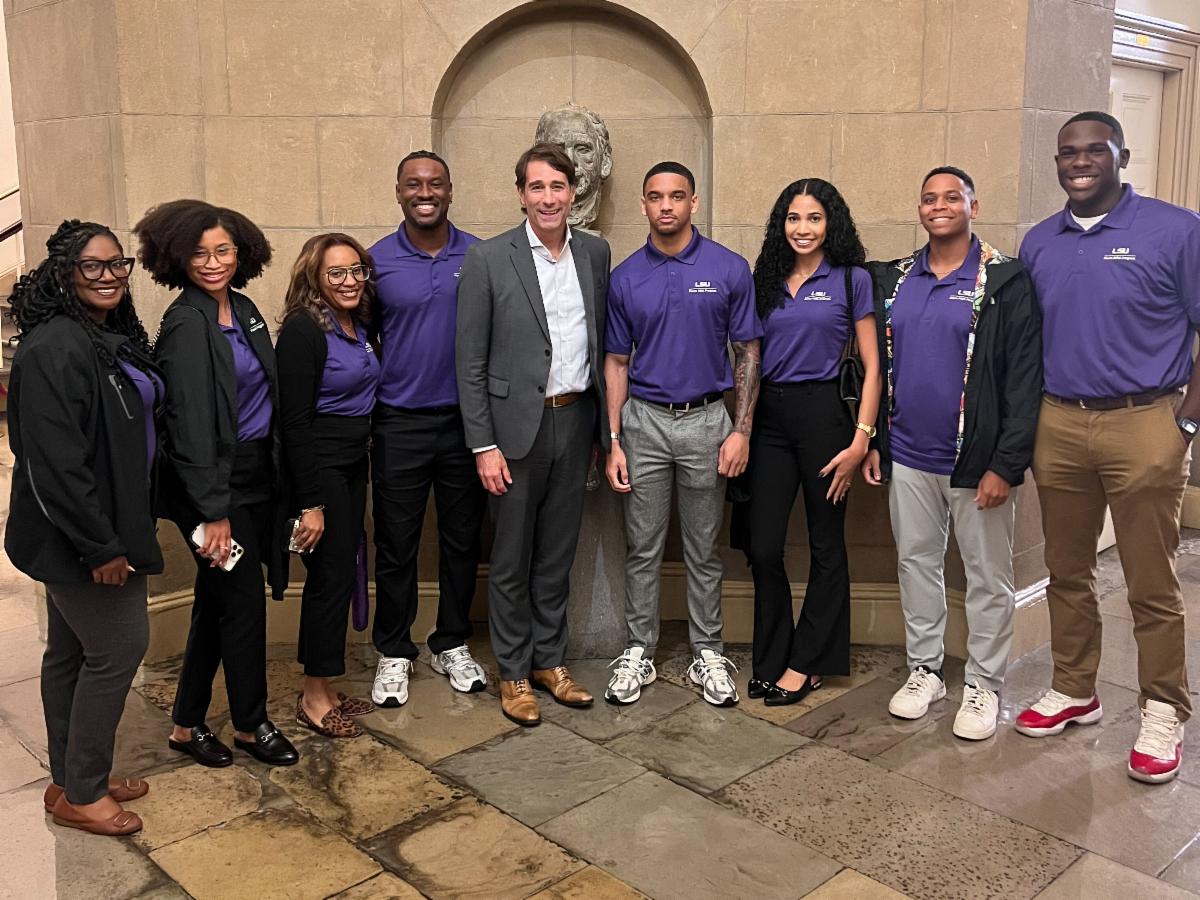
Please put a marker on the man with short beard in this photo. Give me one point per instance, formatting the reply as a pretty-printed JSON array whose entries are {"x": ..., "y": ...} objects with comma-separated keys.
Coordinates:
[
  {"x": 1118, "y": 276},
  {"x": 418, "y": 439}
]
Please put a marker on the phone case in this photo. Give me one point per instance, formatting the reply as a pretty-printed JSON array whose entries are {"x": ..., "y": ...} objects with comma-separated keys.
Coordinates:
[{"x": 235, "y": 549}]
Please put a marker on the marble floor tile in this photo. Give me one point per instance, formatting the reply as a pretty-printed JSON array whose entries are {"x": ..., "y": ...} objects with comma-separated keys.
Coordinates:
[
  {"x": 1185, "y": 871},
  {"x": 437, "y": 721},
  {"x": 669, "y": 843},
  {"x": 44, "y": 860},
  {"x": 850, "y": 885},
  {"x": 385, "y": 886},
  {"x": 515, "y": 773},
  {"x": 705, "y": 747},
  {"x": 188, "y": 800},
  {"x": 142, "y": 738},
  {"x": 21, "y": 711},
  {"x": 911, "y": 837},
  {"x": 604, "y": 721},
  {"x": 361, "y": 787},
  {"x": 284, "y": 677},
  {"x": 271, "y": 853},
  {"x": 1093, "y": 876},
  {"x": 18, "y": 766},
  {"x": 20, "y": 654},
  {"x": 589, "y": 884},
  {"x": 472, "y": 850}
]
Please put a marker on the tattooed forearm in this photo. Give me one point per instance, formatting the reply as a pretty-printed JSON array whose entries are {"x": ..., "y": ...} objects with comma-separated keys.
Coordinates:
[{"x": 747, "y": 369}]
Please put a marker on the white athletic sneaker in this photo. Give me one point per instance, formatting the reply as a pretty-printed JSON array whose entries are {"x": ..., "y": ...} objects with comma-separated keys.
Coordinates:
[
  {"x": 464, "y": 673},
  {"x": 631, "y": 673},
  {"x": 1158, "y": 751},
  {"x": 912, "y": 701},
  {"x": 391, "y": 681},
  {"x": 710, "y": 670},
  {"x": 976, "y": 719}
]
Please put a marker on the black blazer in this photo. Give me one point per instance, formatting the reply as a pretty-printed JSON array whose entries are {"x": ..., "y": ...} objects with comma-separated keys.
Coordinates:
[{"x": 81, "y": 495}]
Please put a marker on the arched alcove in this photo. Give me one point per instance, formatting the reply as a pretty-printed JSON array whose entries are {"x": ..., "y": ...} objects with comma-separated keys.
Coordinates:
[{"x": 624, "y": 67}]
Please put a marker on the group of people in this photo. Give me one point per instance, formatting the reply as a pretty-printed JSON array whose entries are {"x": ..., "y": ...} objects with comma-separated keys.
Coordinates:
[{"x": 493, "y": 371}]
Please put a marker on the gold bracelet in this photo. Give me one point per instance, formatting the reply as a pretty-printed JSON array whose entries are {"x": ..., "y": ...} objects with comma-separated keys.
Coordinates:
[
  {"x": 313, "y": 509},
  {"x": 869, "y": 429}
]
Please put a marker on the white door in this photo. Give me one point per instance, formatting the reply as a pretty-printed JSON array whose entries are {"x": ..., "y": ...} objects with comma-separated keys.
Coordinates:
[{"x": 1135, "y": 98}]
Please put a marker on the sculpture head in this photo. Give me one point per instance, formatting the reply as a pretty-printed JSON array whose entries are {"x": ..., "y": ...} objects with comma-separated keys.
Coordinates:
[{"x": 584, "y": 137}]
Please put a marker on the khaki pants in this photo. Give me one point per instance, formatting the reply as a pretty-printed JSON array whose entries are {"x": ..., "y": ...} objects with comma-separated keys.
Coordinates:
[{"x": 1134, "y": 461}]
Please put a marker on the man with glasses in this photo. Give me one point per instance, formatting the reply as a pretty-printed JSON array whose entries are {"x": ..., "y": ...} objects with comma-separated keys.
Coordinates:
[
  {"x": 418, "y": 438},
  {"x": 1118, "y": 276}
]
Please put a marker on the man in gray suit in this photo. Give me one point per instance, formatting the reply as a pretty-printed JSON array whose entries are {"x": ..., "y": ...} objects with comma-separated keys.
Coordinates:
[{"x": 529, "y": 360}]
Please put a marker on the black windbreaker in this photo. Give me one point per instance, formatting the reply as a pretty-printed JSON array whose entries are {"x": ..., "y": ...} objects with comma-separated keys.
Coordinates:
[
  {"x": 81, "y": 491},
  {"x": 1004, "y": 389}
]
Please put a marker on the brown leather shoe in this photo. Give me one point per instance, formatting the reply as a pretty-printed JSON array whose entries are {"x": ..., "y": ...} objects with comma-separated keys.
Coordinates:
[
  {"x": 121, "y": 790},
  {"x": 518, "y": 703},
  {"x": 565, "y": 689},
  {"x": 124, "y": 822}
]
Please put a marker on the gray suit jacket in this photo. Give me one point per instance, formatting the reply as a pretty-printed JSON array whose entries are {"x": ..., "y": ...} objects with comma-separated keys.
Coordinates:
[{"x": 502, "y": 344}]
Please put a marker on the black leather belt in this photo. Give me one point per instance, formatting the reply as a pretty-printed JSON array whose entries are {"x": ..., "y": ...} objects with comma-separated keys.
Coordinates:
[
  {"x": 688, "y": 405},
  {"x": 1100, "y": 404}
]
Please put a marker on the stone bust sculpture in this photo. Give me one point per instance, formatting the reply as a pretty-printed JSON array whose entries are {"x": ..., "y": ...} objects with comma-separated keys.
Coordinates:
[{"x": 584, "y": 137}]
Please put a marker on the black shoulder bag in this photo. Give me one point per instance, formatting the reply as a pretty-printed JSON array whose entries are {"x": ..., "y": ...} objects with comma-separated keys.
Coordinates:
[{"x": 850, "y": 372}]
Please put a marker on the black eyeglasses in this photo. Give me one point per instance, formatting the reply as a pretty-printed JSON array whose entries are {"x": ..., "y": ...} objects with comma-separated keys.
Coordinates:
[
  {"x": 338, "y": 274},
  {"x": 93, "y": 269}
]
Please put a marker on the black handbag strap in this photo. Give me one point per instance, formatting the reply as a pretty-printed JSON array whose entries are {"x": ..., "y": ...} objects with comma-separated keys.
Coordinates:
[{"x": 850, "y": 348}]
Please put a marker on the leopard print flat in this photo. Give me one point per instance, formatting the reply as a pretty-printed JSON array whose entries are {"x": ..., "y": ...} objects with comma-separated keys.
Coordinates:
[{"x": 334, "y": 724}]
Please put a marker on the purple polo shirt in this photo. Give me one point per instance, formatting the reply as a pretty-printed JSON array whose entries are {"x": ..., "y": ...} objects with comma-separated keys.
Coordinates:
[
  {"x": 1120, "y": 301},
  {"x": 931, "y": 322},
  {"x": 253, "y": 389},
  {"x": 418, "y": 303},
  {"x": 351, "y": 375},
  {"x": 804, "y": 340},
  {"x": 680, "y": 312},
  {"x": 149, "y": 388}
]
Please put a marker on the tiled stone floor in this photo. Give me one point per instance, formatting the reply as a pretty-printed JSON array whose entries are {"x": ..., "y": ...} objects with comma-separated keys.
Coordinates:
[{"x": 831, "y": 799}]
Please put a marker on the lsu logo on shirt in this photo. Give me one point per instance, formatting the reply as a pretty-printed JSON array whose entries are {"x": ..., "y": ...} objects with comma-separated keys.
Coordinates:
[
  {"x": 458, "y": 272},
  {"x": 1124, "y": 253},
  {"x": 819, "y": 296},
  {"x": 255, "y": 325},
  {"x": 702, "y": 287},
  {"x": 965, "y": 295}
]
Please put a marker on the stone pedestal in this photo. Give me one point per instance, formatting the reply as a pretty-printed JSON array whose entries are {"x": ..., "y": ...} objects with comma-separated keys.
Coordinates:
[{"x": 596, "y": 611}]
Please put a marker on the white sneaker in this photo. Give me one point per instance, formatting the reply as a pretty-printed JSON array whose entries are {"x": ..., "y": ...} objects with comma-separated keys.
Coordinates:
[
  {"x": 912, "y": 701},
  {"x": 391, "y": 681},
  {"x": 464, "y": 673},
  {"x": 976, "y": 719},
  {"x": 1158, "y": 752},
  {"x": 630, "y": 675},
  {"x": 710, "y": 670}
]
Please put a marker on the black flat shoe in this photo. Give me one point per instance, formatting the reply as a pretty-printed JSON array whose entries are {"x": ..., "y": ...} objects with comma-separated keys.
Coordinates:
[
  {"x": 269, "y": 746},
  {"x": 204, "y": 748},
  {"x": 757, "y": 687},
  {"x": 777, "y": 696}
]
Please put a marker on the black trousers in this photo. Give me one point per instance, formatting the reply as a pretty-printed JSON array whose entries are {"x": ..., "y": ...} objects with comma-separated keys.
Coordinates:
[
  {"x": 229, "y": 613},
  {"x": 536, "y": 534},
  {"x": 412, "y": 451},
  {"x": 96, "y": 637},
  {"x": 798, "y": 429},
  {"x": 341, "y": 447}
]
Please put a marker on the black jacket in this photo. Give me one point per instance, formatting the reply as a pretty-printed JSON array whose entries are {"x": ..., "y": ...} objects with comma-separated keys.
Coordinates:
[
  {"x": 1004, "y": 390},
  {"x": 81, "y": 495},
  {"x": 202, "y": 415}
]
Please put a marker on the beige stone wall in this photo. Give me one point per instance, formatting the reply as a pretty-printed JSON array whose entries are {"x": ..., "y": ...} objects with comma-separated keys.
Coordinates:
[{"x": 297, "y": 112}]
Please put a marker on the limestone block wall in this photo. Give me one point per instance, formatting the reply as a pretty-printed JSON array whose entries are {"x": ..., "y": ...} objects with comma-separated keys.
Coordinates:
[{"x": 297, "y": 112}]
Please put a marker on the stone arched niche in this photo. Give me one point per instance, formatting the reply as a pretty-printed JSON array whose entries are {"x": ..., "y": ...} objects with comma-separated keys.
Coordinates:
[{"x": 625, "y": 68}]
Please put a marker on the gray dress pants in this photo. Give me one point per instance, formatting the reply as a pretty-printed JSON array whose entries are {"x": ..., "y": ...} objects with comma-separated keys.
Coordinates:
[
  {"x": 96, "y": 637},
  {"x": 668, "y": 451}
]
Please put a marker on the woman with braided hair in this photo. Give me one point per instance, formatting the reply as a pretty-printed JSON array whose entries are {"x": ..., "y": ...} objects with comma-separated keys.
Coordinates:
[{"x": 82, "y": 430}]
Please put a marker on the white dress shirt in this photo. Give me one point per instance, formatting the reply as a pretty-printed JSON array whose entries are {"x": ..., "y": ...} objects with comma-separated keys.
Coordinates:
[{"x": 562, "y": 299}]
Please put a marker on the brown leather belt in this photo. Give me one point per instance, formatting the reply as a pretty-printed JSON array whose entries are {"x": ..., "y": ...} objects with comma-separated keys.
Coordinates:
[
  {"x": 562, "y": 399},
  {"x": 1100, "y": 404}
]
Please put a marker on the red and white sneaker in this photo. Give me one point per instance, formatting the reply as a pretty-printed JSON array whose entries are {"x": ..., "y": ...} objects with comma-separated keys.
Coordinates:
[
  {"x": 1158, "y": 751},
  {"x": 1056, "y": 711}
]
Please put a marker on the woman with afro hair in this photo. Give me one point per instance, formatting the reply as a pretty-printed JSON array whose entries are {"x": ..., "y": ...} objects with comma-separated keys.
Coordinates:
[
  {"x": 813, "y": 298},
  {"x": 82, "y": 430},
  {"x": 223, "y": 449}
]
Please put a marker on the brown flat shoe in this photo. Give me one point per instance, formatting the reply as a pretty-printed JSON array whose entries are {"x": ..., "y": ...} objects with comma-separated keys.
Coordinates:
[
  {"x": 334, "y": 724},
  {"x": 124, "y": 822},
  {"x": 354, "y": 706},
  {"x": 565, "y": 689},
  {"x": 518, "y": 703},
  {"x": 121, "y": 790}
]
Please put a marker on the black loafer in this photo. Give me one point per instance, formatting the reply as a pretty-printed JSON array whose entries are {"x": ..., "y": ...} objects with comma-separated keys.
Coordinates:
[
  {"x": 757, "y": 687},
  {"x": 269, "y": 746},
  {"x": 777, "y": 696},
  {"x": 204, "y": 748}
]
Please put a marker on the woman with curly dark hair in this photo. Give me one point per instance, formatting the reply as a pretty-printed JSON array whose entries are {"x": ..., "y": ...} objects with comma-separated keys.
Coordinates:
[
  {"x": 813, "y": 298},
  {"x": 224, "y": 453},
  {"x": 328, "y": 375},
  {"x": 82, "y": 430}
]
